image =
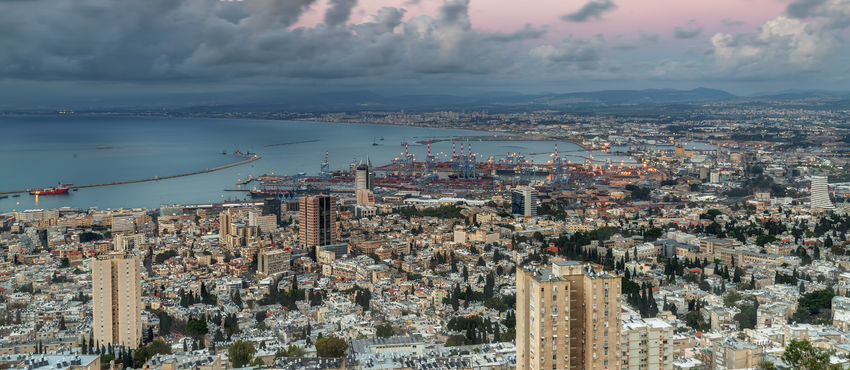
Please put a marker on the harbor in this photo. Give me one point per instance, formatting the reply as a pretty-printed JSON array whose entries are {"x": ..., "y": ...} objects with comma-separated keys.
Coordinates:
[{"x": 248, "y": 159}]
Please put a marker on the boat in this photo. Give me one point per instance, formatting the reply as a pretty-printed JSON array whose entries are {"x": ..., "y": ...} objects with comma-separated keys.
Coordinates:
[
  {"x": 59, "y": 189},
  {"x": 224, "y": 152},
  {"x": 16, "y": 196},
  {"x": 76, "y": 189},
  {"x": 382, "y": 138},
  {"x": 104, "y": 147},
  {"x": 374, "y": 143},
  {"x": 3, "y": 196}
]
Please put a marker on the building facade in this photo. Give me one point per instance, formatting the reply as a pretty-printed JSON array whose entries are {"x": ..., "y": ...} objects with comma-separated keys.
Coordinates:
[
  {"x": 364, "y": 177},
  {"x": 524, "y": 201},
  {"x": 272, "y": 207},
  {"x": 317, "y": 220},
  {"x": 273, "y": 261},
  {"x": 646, "y": 344},
  {"x": 568, "y": 317},
  {"x": 820, "y": 193},
  {"x": 116, "y": 300}
]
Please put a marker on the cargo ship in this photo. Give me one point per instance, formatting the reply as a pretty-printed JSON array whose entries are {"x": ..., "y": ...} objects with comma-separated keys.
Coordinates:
[{"x": 60, "y": 189}]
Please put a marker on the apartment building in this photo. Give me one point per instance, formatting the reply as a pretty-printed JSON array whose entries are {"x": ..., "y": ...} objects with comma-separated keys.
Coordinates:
[
  {"x": 647, "y": 344},
  {"x": 568, "y": 317},
  {"x": 116, "y": 300}
]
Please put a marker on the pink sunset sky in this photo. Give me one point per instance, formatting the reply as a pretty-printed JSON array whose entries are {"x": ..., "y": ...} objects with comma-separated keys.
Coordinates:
[
  {"x": 531, "y": 45},
  {"x": 628, "y": 19}
]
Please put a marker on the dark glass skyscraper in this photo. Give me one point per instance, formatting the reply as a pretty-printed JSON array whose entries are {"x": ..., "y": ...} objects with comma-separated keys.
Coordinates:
[{"x": 271, "y": 206}]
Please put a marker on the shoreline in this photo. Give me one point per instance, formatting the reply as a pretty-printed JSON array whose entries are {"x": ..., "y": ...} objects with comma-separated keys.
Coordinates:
[
  {"x": 258, "y": 119},
  {"x": 248, "y": 160}
]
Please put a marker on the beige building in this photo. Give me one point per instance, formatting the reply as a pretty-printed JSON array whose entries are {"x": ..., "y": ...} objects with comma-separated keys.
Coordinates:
[
  {"x": 129, "y": 241},
  {"x": 708, "y": 245},
  {"x": 731, "y": 353},
  {"x": 317, "y": 220},
  {"x": 273, "y": 261},
  {"x": 123, "y": 223},
  {"x": 647, "y": 344},
  {"x": 266, "y": 224},
  {"x": 568, "y": 317},
  {"x": 116, "y": 303},
  {"x": 365, "y": 197}
]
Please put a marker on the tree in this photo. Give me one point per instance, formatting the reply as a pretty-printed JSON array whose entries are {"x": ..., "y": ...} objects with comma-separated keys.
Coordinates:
[
  {"x": 331, "y": 347},
  {"x": 197, "y": 327},
  {"x": 144, "y": 353},
  {"x": 730, "y": 298},
  {"x": 800, "y": 354},
  {"x": 292, "y": 351},
  {"x": 258, "y": 362},
  {"x": 743, "y": 320},
  {"x": 240, "y": 353},
  {"x": 456, "y": 340},
  {"x": 384, "y": 330},
  {"x": 66, "y": 262}
]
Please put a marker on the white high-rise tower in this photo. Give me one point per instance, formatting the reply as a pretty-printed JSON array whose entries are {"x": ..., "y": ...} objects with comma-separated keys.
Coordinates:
[{"x": 820, "y": 193}]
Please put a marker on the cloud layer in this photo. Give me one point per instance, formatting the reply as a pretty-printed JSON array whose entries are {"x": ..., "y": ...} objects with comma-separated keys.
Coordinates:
[
  {"x": 592, "y": 9},
  {"x": 258, "y": 41}
]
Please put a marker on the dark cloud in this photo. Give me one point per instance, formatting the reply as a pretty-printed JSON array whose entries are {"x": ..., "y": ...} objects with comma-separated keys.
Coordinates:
[
  {"x": 803, "y": 8},
  {"x": 689, "y": 32},
  {"x": 730, "y": 23},
  {"x": 592, "y": 9},
  {"x": 339, "y": 12},
  {"x": 208, "y": 41}
]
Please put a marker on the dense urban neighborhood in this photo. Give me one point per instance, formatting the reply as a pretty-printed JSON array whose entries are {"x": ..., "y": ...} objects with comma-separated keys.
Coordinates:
[{"x": 708, "y": 241}]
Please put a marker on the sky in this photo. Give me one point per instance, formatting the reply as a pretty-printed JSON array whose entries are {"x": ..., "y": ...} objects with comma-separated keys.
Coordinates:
[{"x": 67, "y": 48}]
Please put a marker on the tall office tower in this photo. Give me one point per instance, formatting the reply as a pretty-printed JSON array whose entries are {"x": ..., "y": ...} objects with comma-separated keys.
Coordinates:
[
  {"x": 364, "y": 177},
  {"x": 820, "y": 193},
  {"x": 116, "y": 303},
  {"x": 366, "y": 197},
  {"x": 568, "y": 317},
  {"x": 224, "y": 220},
  {"x": 317, "y": 220},
  {"x": 271, "y": 207},
  {"x": 524, "y": 201}
]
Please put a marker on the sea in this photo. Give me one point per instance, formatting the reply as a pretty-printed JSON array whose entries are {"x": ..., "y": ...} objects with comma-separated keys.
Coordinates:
[{"x": 41, "y": 151}]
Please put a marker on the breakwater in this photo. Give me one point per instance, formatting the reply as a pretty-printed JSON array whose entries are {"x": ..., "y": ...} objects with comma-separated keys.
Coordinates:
[{"x": 248, "y": 159}]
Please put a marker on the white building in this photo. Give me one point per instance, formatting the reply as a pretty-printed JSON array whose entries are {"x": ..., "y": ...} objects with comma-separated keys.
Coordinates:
[
  {"x": 645, "y": 344},
  {"x": 820, "y": 193}
]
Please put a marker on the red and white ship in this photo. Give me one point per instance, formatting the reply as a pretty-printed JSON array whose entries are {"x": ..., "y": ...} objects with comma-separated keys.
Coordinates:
[{"x": 60, "y": 189}]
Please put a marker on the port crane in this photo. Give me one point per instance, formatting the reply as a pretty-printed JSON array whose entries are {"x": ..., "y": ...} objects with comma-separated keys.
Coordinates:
[
  {"x": 325, "y": 168},
  {"x": 237, "y": 150},
  {"x": 249, "y": 150}
]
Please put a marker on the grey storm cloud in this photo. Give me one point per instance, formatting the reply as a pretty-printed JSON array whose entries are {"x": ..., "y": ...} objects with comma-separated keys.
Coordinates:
[
  {"x": 339, "y": 12},
  {"x": 592, "y": 9},
  {"x": 689, "y": 32},
  {"x": 803, "y": 8},
  {"x": 202, "y": 40}
]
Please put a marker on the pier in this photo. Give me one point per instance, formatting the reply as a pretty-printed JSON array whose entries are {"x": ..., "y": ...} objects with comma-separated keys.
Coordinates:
[{"x": 248, "y": 159}]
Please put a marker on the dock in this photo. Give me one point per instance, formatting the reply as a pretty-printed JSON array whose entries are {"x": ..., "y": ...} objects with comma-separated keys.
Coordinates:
[{"x": 248, "y": 159}]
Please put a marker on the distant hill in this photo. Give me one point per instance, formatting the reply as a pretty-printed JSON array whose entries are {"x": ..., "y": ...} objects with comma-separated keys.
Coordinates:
[
  {"x": 366, "y": 100},
  {"x": 800, "y": 95},
  {"x": 800, "y": 91}
]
